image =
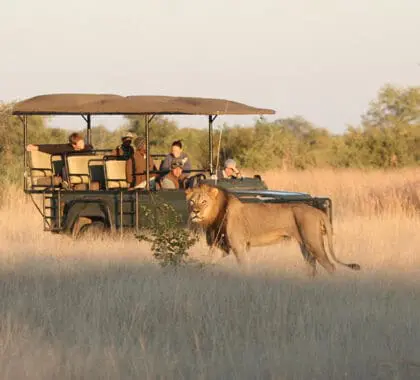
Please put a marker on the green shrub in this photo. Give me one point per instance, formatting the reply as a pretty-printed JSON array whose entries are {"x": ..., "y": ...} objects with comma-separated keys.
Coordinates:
[{"x": 170, "y": 242}]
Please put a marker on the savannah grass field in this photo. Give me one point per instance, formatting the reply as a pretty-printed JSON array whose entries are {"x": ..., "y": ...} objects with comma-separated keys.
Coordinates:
[{"x": 105, "y": 309}]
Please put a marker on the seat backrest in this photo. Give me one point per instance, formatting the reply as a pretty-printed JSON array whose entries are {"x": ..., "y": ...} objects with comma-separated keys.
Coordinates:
[
  {"x": 42, "y": 168},
  {"x": 97, "y": 172},
  {"x": 78, "y": 167},
  {"x": 157, "y": 163},
  {"x": 115, "y": 175},
  {"x": 40, "y": 164},
  {"x": 57, "y": 164}
]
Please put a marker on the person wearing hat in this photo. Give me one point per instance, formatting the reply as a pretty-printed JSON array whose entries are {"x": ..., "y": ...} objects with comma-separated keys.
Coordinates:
[
  {"x": 125, "y": 149},
  {"x": 174, "y": 179},
  {"x": 136, "y": 165},
  {"x": 229, "y": 171}
]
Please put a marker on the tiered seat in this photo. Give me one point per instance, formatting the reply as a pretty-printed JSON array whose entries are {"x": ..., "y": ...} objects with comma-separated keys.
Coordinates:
[
  {"x": 44, "y": 169},
  {"x": 115, "y": 175},
  {"x": 83, "y": 171},
  {"x": 78, "y": 173},
  {"x": 97, "y": 174}
]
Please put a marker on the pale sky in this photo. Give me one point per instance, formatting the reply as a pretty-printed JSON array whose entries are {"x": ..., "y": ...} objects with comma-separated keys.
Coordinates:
[{"x": 321, "y": 59}]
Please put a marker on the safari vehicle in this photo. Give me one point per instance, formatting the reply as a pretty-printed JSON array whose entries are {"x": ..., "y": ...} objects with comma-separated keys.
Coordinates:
[{"x": 98, "y": 198}]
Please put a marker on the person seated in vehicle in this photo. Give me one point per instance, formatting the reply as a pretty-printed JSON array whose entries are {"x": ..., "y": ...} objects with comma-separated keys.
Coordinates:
[
  {"x": 176, "y": 153},
  {"x": 136, "y": 166},
  {"x": 175, "y": 179},
  {"x": 229, "y": 171},
  {"x": 76, "y": 144},
  {"x": 125, "y": 149}
]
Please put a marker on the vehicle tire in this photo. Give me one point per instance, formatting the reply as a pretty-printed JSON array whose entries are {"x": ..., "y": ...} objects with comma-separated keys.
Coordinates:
[{"x": 94, "y": 230}]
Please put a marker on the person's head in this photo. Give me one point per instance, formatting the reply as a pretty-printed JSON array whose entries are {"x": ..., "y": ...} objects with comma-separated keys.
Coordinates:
[
  {"x": 140, "y": 143},
  {"x": 176, "y": 167},
  {"x": 76, "y": 141},
  {"x": 127, "y": 138},
  {"x": 230, "y": 167},
  {"x": 176, "y": 148}
]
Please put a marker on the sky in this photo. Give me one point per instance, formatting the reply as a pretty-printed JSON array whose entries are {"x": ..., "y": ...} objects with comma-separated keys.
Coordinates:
[{"x": 324, "y": 60}]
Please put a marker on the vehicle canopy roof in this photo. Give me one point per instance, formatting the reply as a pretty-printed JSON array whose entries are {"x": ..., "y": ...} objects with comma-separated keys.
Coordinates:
[{"x": 109, "y": 104}]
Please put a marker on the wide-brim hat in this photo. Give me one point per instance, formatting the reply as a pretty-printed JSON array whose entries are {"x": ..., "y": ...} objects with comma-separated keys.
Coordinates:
[{"x": 127, "y": 135}]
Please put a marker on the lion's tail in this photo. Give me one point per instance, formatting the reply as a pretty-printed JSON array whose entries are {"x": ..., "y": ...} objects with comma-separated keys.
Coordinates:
[{"x": 329, "y": 233}]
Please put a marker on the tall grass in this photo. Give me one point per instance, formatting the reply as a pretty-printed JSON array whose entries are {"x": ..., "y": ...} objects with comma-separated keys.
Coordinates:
[
  {"x": 105, "y": 309},
  {"x": 356, "y": 191}
]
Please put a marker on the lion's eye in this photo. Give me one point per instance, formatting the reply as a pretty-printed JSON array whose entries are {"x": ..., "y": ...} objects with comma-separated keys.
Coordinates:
[{"x": 204, "y": 203}]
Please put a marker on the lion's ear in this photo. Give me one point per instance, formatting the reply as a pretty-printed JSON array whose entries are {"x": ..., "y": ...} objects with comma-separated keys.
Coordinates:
[
  {"x": 188, "y": 193},
  {"x": 214, "y": 191}
]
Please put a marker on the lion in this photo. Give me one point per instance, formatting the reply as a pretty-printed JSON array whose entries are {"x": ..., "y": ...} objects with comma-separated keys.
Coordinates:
[{"x": 233, "y": 225}]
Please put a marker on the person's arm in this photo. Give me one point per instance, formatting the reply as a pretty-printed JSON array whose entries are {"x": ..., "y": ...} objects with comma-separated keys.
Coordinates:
[
  {"x": 129, "y": 171},
  {"x": 52, "y": 148},
  {"x": 166, "y": 163},
  {"x": 88, "y": 147},
  {"x": 32, "y": 148},
  {"x": 187, "y": 163},
  {"x": 152, "y": 165},
  {"x": 238, "y": 174}
]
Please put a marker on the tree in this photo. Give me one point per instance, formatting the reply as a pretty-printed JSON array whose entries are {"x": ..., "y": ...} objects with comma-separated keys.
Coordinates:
[
  {"x": 391, "y": 127},
  {"x": 162, "y": 130},
  {"x": 394, "y": 106}
]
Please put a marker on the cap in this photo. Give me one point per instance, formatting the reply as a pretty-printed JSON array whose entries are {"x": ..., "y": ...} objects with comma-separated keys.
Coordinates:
[
  {"x": 127, "y": 135},
  {"x": 230, "y": 163},
  {"x": 176, "y": 163}
]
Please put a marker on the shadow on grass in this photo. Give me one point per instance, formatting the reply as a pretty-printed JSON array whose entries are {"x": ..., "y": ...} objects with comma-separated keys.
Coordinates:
[{"x": 124, "y": 320}]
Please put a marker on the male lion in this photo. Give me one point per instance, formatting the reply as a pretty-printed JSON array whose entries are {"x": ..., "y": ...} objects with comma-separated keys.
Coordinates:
[{"x": 244, "y": 225}]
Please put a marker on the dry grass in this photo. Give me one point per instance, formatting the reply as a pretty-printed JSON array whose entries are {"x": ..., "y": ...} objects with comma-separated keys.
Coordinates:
[
  {"x": 106, "y": 310},
  {"x": 355, "y": 191}
]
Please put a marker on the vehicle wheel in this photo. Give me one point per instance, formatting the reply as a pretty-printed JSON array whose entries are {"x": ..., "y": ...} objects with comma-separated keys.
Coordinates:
[{"x": 94, "y": 230}]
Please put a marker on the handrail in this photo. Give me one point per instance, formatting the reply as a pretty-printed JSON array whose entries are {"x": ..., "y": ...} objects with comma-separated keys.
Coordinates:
[{"x": 167, "y": 171}]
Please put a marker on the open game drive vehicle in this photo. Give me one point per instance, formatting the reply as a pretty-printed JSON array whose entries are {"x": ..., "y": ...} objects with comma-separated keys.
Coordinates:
[{"x": 97, "y": 197}]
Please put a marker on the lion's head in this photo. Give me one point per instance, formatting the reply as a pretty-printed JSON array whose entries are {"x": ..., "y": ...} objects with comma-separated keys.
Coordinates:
[{"x": 205, "y": 203}]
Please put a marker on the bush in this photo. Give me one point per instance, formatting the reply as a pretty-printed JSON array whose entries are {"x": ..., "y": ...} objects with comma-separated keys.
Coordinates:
[{"x": 170, "y": 242}]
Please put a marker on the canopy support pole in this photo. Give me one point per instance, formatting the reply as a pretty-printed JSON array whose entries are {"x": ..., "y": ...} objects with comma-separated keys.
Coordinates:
[
  {"x": 89, "y": 131},
  {"x": 146, "y": 127},
  {"x": 25, "y": 155},
  {"x": 211, "y": 120}
]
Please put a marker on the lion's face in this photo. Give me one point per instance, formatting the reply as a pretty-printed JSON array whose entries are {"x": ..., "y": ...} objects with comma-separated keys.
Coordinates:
[{"x": 202, "y": 204}]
